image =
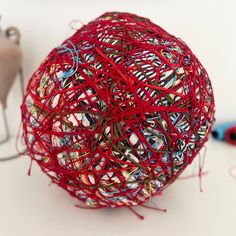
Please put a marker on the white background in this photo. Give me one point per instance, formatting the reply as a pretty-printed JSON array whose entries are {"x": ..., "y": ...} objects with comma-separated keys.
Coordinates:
[{"x": 28, "y": 206}]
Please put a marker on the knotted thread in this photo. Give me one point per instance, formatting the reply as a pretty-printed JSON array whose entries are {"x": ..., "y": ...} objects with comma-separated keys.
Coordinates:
[{"x": 118, "y": 111}]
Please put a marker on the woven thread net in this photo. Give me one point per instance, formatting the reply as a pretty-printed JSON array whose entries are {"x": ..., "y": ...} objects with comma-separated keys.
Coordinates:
[{"x": 116, "y": 113}]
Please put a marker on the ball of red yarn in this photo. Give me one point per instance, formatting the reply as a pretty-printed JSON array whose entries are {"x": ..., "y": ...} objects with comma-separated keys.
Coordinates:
[{"x": 118, "y": 111}]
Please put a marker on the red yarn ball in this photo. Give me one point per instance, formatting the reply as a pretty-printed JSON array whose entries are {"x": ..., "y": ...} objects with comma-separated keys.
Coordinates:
[{"x": 118, "y": 111}]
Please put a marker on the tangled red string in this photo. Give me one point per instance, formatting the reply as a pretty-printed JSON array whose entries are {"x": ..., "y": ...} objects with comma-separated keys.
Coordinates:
[{"x": 118, "y": 111}]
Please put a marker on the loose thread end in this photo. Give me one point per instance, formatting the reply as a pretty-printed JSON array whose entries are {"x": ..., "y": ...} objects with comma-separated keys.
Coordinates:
[
  {"x": 136, "y": 213},
  {"x": 30, "y": 167},
  {"x": 155, "y": 208},
  {"x": 200, "y": 180}
]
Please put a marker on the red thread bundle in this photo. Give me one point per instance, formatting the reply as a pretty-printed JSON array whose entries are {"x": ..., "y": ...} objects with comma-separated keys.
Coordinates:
[
  {"x": 230, "y": 135},
  {"x": 118, "y": 111}
]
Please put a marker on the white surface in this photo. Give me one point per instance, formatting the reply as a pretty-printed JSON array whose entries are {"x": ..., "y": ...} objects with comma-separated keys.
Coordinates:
[{"x": 28, "y": 206}]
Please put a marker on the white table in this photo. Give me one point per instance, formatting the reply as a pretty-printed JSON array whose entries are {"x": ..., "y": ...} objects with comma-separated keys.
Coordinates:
[{"x": 29, "y": 206}]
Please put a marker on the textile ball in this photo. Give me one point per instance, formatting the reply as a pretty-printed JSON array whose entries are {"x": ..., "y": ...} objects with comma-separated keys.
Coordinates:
[{"x": 117, "y": 111}]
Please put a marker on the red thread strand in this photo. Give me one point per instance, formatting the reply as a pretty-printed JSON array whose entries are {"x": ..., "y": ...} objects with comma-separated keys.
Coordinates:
[{"x": 136, "y": 213}]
